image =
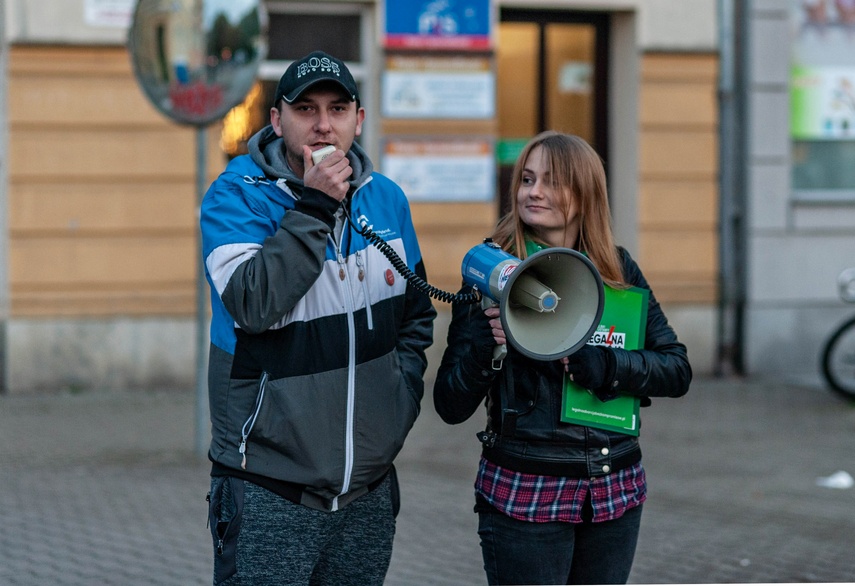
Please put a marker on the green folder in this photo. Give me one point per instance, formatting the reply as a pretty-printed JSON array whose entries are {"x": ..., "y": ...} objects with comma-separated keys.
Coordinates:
[{"x": 623, "y": 325}]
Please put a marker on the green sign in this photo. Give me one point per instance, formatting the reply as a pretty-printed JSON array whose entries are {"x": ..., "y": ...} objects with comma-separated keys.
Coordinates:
[{"x": 509, "y": 149}]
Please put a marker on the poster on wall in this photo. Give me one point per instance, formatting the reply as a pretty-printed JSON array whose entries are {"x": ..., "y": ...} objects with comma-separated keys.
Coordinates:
[
  {"x": 109, "y": 13},
  {"x": 823, "y": 103},
  {"x": 438, "y": 87},
  {"x": 459, "y": 25},
  {"x": 441, "y": 170},
  {"x": 822, "y": 73}
]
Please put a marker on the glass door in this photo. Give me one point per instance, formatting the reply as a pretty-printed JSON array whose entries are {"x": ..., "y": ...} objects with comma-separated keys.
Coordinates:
[{"x": 551, "y": 75}]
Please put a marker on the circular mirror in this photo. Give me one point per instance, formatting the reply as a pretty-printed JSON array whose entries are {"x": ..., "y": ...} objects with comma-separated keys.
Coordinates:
[{"x": 197, "y": 59}]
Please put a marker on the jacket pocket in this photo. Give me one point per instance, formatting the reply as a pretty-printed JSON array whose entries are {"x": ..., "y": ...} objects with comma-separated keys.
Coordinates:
[
  {"x": 386, "y": 409},
  {"x": 253, "y": 417},
  {"x": 225, "y": 512},
  {"x": 299, "y": 425}
]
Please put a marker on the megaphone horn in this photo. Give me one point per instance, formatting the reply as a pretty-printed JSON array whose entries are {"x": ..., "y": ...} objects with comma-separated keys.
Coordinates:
[{"x": 550, "y": 304}]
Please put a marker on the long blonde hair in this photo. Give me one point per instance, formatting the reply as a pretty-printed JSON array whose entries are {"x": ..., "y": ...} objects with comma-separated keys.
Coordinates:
[{"x": 577, "y": 171}]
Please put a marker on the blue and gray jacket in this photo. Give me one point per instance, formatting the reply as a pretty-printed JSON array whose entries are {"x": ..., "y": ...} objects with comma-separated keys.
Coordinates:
[{"x": 317, "y": 343}]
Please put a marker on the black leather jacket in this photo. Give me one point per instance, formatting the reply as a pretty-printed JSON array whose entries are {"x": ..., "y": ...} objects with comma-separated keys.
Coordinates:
[{"x": 530, "y": 437}]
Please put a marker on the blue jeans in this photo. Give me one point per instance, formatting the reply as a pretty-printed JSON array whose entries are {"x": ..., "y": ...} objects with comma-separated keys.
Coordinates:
[{"x": 520, "y": 552}]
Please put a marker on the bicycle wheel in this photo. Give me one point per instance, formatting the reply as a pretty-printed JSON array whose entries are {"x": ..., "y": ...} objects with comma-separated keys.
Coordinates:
[{"x": 838, "y": 360}]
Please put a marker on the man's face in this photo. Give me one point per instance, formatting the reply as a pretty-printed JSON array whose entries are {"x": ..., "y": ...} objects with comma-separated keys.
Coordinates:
[{"x": 322, "y": 116}]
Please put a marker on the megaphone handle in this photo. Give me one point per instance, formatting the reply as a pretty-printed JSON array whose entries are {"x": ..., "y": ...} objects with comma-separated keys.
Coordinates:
[
  {"x": 499, "y": 353},
  {"x": 499, "y": 350}
]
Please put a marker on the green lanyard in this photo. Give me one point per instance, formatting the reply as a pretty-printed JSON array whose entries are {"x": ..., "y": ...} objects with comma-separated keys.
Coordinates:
[{"x": 532, "y": 247}]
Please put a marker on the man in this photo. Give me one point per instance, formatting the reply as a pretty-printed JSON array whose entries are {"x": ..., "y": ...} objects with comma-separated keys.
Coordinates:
[{"x": 317, "y": 344}]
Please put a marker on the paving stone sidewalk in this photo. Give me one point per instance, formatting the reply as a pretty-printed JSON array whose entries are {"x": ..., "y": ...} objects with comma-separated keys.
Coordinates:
[{"x": 103, "y": 488}]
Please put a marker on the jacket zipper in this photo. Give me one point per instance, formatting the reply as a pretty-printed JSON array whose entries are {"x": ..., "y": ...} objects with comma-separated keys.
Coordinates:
[
  {"x": 351, "y": 377},
  {"x": 250, "y": 422}
]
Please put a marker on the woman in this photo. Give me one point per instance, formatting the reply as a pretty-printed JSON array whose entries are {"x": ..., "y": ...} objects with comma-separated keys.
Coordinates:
[{"x": 557, "y": 502}]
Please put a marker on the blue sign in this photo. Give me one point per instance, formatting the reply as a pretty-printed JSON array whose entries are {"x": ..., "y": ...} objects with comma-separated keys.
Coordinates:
[{"x": 438, "y": 24}]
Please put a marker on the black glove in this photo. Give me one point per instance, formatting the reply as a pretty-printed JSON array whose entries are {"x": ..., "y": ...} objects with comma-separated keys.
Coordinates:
[
  {"x": 482, "y": 339},
  {"x": 593, "y": 367}
]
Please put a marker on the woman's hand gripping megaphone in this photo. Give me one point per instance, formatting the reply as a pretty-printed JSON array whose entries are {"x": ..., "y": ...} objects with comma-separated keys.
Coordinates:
[
  {"x": 500, "y": 350},
  {"x": 488, "y": 335}
]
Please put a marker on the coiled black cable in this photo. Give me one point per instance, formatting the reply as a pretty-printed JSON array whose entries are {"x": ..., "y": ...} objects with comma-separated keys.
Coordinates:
[{"x": 413, "y": 279}]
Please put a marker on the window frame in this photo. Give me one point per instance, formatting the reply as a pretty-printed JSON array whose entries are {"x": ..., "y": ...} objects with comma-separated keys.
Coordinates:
[{"x": 363, "y": 71}]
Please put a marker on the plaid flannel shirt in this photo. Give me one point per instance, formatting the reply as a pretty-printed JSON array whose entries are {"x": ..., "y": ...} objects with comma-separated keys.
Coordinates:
[{"x": 542, "y": 499}]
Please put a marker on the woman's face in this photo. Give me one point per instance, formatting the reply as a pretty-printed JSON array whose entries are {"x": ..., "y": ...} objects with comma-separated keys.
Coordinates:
[{"x": 541, "y": 205}]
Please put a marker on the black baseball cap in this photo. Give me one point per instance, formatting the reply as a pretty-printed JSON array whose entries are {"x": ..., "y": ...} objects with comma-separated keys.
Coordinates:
[{"x": 311, "y": 69}]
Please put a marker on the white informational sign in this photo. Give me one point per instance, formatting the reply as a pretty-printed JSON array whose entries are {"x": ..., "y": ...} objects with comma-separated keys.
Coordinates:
[
  {"x": 442, "y": 170},
  {"x": 822, "y": 103},
  {"x": 109, "y": 13},
  {"x": 439, "y": 87},
  {"x": 822, "y": 70},
  {"x": 574, "y": 77}
]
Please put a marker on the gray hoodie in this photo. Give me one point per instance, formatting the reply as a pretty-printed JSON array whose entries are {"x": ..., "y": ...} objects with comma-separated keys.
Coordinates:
[{"x": 268, "y": 151}]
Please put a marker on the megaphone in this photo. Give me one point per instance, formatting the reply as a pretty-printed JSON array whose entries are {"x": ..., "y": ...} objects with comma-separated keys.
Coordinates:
[{"x": 550, "y": 304}]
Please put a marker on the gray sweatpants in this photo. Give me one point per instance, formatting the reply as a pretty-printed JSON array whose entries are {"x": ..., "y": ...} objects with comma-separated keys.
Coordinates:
[{"x": 280, "y": 542}]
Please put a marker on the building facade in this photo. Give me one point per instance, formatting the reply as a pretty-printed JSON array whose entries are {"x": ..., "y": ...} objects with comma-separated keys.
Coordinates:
[
  {"x": 796, "y": 200},
  {"x": 99, "y": 266}
]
